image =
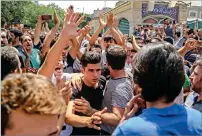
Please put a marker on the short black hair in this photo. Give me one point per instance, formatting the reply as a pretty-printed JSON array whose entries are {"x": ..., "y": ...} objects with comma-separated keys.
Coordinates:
[
  {"x": 178, "y": 34},
  {"x": 169, "y": 40},
  {"x": 190, "y": 31},
  {"x": 159, "y": 71},
  {"x": 9, "y": 60},
  {"x": 95, "y": 46},
  {"x": 109, "y": 38},
  {"x": 90, "y": 57},
  {"x": 16, "y": 32},
  {"x": 116, "y": 57}
]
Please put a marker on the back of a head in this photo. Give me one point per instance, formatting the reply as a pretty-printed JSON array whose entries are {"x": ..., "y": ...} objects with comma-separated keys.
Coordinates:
[
  {"x": 159, "y": 71},
  {"x": 116, "y": 57},
  {"x": 169, "y": 40},
  {"x": 178, "y": 34},
  {"x": 95, "y": 46},
  {"x": 9, "y": 60},
  {"x": 90, "y": 57},
  {"x": 33, "y": 94}
]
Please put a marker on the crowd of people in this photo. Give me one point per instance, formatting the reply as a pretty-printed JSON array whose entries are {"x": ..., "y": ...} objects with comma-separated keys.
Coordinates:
[{"x": 70, "y": 82}]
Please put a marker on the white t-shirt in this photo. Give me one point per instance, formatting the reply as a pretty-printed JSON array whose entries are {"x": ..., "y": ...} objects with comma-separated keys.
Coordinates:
[
  {"x": 67, "y": 75},
  {"x": 68, "y": 129}
]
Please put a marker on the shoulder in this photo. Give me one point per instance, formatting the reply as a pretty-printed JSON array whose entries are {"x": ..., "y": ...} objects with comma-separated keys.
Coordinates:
[
  {"x": 192, "y": 115},
  {"x": 102, "y": 80},
  {"x": 35, "y": 51},
  {"x": 194, "y": 121},
  {"x": 136, "y": 126}
]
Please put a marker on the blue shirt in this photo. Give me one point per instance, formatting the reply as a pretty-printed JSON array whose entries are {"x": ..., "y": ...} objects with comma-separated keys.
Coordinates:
[
  {"x": 173, "y": 120},
  {"x": 35, "y": 60}
]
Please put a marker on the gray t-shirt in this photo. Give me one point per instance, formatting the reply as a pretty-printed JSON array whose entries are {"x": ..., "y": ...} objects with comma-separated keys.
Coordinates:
[{"x": 118, "y": 93}]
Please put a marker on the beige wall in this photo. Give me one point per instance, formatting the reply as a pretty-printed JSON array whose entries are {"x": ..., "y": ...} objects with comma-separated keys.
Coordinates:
[{"x": 132, "y": 11}]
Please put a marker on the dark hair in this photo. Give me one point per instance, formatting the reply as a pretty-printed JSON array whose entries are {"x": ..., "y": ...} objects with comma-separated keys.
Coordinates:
[
  {"x": 9, "y": 60},
  {"x": 169, "y": 40},
  {"x": 116, "y": 57},
  {"x": 109, "y": 38},
  {"x": 178, "y": 34},
  {"x": 159, "y": 71},
  {"x": 95, "y": 46},
  {"x": 198, "y": 62},
  {"x": 90, "y": 57},
  {"x": 16, "y": 32},
  {"x": 100, "y": 35},
  {"x": 190, "y": 31}
]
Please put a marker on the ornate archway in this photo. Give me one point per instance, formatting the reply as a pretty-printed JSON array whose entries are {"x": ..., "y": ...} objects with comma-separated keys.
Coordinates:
[
  {"x": 124, "y": 26},
  {"x": 155, "y": 19}
]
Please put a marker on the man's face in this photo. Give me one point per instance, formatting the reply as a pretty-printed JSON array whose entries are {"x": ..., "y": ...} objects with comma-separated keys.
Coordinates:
[
  {"x": 4, "y": 40},
  {"x": 196, "y": 79},
  {"x": 92, "y": 73},
  {"x": 59, "y": 68},
  {"x": 25, "y": 124},
  {"x": 109, "y": 42},
  {"x": 27, "y": 43},
  {"x": 13, "y": 38}
]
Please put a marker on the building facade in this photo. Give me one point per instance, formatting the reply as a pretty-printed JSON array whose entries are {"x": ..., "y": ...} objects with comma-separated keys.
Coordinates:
[
  {"x": 194, "y": 13},
  {"x": 133, "y": 13}
]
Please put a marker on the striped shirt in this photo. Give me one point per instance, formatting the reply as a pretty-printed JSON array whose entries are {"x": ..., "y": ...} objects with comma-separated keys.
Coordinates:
[{"x": 118, "y": 93}]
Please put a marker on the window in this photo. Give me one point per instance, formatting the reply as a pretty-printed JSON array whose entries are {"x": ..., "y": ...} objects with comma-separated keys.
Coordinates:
[{"x": 192, "y": 13}]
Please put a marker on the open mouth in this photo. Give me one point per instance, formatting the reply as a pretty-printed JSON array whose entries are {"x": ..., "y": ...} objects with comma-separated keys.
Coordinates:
[{"x": 58, "y": 69}]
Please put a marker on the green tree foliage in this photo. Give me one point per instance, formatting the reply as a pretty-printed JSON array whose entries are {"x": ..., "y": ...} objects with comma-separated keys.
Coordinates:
[
  {"x": 27, "y": 13},
  {"x": 32, "y": 11},
  {"x": 87, "y": 18},
  {"x": 12, "y": 10}
]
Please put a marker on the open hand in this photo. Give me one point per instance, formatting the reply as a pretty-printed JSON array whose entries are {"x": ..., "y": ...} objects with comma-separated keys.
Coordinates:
[
  {"x": 132, "y": 107},
  {"x": 101, "y": 21},
  {"x": 71, "y": 23},
  {"x": 66, "y": 92},
  {"x": 55, "y": 18},
  {"x": 110, "y": 20}
]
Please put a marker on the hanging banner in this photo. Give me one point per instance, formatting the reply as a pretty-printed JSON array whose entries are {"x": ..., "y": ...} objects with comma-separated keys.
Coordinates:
[{"x": 160, "y": 9}]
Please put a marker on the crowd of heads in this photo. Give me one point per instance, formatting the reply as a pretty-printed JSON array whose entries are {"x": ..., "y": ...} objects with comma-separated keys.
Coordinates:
[{"x": 38, "y": 63}]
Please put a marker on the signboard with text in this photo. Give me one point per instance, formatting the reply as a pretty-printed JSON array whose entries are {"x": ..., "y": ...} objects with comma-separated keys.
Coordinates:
[{"x": 160, "y": 9}]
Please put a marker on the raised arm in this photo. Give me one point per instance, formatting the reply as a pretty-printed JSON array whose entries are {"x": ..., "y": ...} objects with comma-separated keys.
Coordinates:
[
  {"x": 75, "y": 48},
  {"x": 135, "y": 45},
  {"x": 190, "y": 44},
  {"x": 69, "y": 31},
  {"x": 51, "y": 34},
  {"x": 37, "y": 31},
  {"x": 115, "y": 34},
  {"x": 99, "y": 29}
]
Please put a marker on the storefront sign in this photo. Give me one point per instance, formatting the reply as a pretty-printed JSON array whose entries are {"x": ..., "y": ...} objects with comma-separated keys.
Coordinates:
[{"x": 160, "y": 9}]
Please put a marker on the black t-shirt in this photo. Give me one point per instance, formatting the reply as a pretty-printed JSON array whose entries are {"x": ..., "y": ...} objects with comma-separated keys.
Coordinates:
[{"x": 94, "y": 96}]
